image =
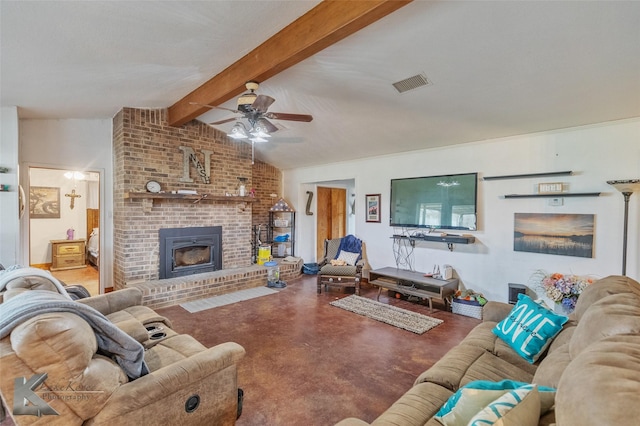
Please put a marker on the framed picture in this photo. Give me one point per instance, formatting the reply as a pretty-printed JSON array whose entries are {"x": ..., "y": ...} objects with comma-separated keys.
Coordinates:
[
  {"x": 549, "y": 233},
  {"x": 373, "y": 208},
  {"x": 44, "y": 202}
]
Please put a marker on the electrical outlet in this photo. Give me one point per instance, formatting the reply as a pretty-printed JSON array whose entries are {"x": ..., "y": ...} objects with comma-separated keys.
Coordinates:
[{"x": 556, "y": 201}]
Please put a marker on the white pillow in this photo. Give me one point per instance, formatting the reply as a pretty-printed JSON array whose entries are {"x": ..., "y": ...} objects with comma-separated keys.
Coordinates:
[{"x": 347, "y": 256}]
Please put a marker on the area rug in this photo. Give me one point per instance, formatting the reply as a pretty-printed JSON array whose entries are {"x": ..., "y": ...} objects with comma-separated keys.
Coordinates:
[
  {"x": 398, "y": 317},
  {"x": 226, "y": 299}
]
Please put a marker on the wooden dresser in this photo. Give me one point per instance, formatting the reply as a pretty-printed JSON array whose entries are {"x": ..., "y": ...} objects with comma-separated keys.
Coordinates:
[{"x": 67, "y": 254}]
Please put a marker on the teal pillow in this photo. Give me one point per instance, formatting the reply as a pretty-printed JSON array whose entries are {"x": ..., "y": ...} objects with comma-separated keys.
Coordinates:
[
  {"x": 517, "y": 407},
  {"x": 529, "y": 328},
  {"x": 470, "y": 399}
]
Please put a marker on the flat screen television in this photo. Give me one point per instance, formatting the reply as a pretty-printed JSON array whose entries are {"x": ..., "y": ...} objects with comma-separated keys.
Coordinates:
[{"x": 438, "y": 202}]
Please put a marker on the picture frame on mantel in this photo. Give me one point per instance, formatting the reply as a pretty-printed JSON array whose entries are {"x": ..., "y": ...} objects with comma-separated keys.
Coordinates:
[
  {"x": 44, "y": 202},
  {"x": 373, "y": 208}
]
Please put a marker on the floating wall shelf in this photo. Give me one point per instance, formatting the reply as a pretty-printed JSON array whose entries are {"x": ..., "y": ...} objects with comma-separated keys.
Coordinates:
[
  {"x": 450, "y": 240},
  {"x": 554, "y": 195},
  {"x": 529, "y": 175}
]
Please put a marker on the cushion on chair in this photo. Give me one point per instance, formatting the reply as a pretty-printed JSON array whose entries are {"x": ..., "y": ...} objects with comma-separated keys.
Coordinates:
[
  {"x": 348, "y": 257},
  {"x": 350, "y": 243},
  {"x": 343, "y": 271}
]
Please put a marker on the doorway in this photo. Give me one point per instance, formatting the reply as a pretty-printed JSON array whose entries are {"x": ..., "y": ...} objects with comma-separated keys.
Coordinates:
[
  {"x": 332, "y": 216},
  {"x": 64, "y": 224}
]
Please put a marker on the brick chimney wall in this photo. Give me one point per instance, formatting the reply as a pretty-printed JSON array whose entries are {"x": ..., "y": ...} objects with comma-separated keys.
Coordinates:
[{"x": 145, "y": 148}]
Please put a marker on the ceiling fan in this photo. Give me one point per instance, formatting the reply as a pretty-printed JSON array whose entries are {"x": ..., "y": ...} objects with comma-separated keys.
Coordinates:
[{"x": 253, "y": 108}]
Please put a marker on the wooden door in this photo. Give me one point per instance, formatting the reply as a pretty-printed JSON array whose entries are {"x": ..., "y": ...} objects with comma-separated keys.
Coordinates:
[{"x": 332, "y": 216}]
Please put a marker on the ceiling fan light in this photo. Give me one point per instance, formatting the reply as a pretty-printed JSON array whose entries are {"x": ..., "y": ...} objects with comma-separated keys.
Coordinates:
[
  {"x": 238, "y": 132},
  {"x": 260, "y": 132},
  {"x": 261, "y": 129}
]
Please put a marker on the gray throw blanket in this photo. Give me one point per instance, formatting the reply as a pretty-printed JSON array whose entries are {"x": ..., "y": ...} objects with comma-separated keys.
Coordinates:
[{"x": 126, "y": 351}]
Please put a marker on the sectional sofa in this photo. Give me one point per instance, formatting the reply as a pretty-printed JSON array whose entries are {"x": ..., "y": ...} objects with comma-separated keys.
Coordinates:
[{"x": 592, "y": 367}]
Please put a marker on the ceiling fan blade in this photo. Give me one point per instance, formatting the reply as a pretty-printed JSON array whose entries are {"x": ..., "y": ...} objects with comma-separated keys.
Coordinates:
[
  {"x": 291, "y": 117},
  {"x": 214, "y": 107},
  {"x": 269, "y": 125},
  {"x": 226, "y": 120},
  {"x": 262, "y": 103}
]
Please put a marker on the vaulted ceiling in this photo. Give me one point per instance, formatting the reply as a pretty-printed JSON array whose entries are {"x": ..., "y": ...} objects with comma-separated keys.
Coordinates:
[{"x": 495, "y": 68}]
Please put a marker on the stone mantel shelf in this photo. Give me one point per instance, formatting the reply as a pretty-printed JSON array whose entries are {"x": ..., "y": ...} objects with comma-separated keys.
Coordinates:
[{"x": 195, "y": 197}]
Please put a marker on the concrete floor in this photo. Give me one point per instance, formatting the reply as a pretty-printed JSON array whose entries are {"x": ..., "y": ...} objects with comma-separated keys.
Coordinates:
[{"x": 309, "y": 363}]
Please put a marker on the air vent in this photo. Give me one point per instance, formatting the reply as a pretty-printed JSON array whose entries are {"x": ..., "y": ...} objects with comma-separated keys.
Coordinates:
[{"x": 411, "y": 83}]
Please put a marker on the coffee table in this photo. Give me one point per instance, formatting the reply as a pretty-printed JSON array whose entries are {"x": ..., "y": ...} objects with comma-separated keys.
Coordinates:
[{"x": 411, "y": 283}]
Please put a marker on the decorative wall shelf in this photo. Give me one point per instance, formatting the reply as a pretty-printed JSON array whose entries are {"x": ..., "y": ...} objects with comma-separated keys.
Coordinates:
[
  {"x": 195, "y": 197},
  {"x": 450, "y": 240},
  {"x": 554, "y": 195},
  {"x": 148, "y": 199},
  {"x": 3, "y": 187},
  {"x": 529, "y": 175}
]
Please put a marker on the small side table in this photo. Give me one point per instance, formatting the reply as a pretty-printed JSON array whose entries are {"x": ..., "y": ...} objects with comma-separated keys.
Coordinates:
[{"x": 67, "y": 254}]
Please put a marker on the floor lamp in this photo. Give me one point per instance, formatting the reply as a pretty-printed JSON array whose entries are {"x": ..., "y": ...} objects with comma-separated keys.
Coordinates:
[{"x": 627, "y": 187}]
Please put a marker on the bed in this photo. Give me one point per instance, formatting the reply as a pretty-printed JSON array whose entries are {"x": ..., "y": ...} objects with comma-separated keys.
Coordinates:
[{"x": 93, "y": 237}]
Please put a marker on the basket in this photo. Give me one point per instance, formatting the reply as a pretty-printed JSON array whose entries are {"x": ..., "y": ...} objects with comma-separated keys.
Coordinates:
[
  {"x": 281, "y": 223},
  {"x": 310, "y": 268},
  {"x": 468, "y": 308}
]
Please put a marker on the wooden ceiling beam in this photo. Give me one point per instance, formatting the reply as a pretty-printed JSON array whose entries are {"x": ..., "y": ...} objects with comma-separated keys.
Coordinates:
[{"x": 324, "y": 25}]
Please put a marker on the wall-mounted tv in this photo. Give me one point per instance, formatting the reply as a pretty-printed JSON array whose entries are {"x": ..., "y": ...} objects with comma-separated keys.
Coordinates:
[{"x": 438, "y": 202}]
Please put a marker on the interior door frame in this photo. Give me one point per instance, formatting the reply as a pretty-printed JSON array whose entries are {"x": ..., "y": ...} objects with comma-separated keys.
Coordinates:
[
  {"x": 25, "y": 220},
  {"x": 344, "y": 207}
]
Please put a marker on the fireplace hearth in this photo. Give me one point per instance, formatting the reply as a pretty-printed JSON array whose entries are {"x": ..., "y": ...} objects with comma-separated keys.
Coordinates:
[{"x": 188, "y": 251}]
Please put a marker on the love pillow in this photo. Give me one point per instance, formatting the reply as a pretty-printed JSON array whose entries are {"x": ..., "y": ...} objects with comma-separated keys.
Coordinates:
[{"x": 529, "y": 328}]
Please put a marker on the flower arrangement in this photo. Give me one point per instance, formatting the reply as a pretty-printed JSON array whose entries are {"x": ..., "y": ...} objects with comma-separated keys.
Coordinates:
[{"x": 565, "y": 289}]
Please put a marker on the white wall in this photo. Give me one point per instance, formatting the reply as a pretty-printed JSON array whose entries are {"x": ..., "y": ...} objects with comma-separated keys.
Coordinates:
[
  {"x": 9, "y": 229},
  {"x": 595, "y": 153},
  {"x": 83, "y": 145},
  {"x": 42, "y": 231}
]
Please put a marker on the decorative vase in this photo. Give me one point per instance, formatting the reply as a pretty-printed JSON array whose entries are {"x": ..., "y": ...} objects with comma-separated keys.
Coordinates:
[{"x": 561, "y": 309}]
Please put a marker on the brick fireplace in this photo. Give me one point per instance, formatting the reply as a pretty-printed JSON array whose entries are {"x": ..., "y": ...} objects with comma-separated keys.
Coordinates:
[
  {"x": 147, "y": 148},
  {"x": 189, "y": 251}
]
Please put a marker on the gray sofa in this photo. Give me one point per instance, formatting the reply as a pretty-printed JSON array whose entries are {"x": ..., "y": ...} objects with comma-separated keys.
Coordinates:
[{"x": 594, "y": 363}]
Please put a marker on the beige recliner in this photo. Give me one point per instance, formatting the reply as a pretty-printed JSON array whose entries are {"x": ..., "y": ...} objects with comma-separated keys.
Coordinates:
[{"x": 187, "y": 383}]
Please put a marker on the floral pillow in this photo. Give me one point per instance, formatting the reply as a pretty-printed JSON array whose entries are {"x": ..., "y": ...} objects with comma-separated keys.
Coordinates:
[{"x": 529, "y": 328}]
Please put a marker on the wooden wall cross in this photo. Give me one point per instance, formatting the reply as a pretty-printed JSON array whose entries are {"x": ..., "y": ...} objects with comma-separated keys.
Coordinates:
[{"x": 73, "y": 196}]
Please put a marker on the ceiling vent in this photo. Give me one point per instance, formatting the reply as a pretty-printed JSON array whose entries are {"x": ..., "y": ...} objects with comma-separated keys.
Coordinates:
[{"x": 411, "y": 83}]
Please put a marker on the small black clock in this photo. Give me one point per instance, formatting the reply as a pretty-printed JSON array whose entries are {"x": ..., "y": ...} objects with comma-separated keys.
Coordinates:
[{"x": 153, "y": 186}]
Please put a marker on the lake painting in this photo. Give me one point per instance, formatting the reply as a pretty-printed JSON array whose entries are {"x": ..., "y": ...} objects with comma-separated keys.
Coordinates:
[{"x": 561, "y": 234}]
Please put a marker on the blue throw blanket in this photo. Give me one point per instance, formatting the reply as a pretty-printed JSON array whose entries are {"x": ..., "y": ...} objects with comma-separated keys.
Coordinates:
[
  {"x": 126, "y": 351},
  {"x": 351, "y": 244}
]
